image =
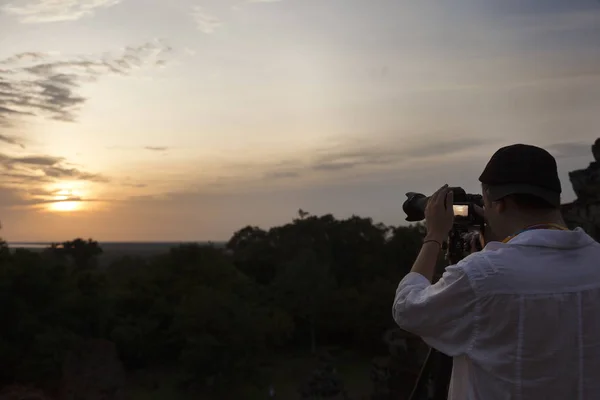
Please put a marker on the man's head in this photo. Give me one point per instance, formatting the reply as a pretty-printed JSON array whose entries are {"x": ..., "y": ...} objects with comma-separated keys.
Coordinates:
[{"x": 520, "y": 185}]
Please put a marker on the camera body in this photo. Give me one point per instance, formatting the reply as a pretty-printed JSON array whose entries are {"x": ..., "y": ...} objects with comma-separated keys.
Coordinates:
[
  {"x": 464, "y": 207},
  {"x": 468, "y": 224}
]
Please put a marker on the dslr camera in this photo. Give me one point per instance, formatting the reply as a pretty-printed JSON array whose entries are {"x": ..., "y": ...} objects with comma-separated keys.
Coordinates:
[{"x": 468, "y": 225}]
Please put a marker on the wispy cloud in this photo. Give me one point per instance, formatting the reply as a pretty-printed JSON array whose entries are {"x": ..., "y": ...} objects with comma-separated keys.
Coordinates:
[
  {"x": 44, "y": 11},
  {"x": 156, "y": 148},
  {"x": 332, "y": 163},
  {"x": 10, "y": 196},
  {"x": 205, "y": 22},
  {"x": 39, "y": 84},
  {"x": 24, "y": 170},
  {"x": 24, "y": 180},
  {"x": 570, "y": 149},
  {"x": 11, "y": 140},
  {"x": 364, "y": 156},
  {"x": 14, "y": 197},
  {"x": 210, "y": 23},
  {"x": 137, "y": 148},
  {"x": 240, "y": 5},
  {"x": 135, "y": 185},
  {"x": 282, "y": 175}
]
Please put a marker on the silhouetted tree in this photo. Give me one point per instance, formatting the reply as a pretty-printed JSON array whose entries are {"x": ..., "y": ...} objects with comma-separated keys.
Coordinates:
[{"x": 82, "y": 252}]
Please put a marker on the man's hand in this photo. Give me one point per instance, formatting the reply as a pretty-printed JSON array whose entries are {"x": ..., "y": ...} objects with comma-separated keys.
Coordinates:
[{"x": 439, "y": 214}]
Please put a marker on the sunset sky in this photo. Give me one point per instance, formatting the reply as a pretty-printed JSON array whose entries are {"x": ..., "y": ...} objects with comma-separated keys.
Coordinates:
[{"x": 187, "y": 120}]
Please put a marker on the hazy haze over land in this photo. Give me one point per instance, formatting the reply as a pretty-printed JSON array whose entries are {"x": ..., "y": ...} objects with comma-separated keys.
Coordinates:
[{"x": 185, "y": 120}]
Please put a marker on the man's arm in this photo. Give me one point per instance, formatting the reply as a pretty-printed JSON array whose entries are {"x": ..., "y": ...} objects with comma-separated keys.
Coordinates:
[
  {"x": 443, "y": 314},
  {"x": 439, "y": 216},
  {"x": 427, "y": 258}
]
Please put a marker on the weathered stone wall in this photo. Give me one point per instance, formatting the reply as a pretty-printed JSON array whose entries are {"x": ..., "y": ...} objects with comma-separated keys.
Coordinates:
[{"x": 585, "y": 211}]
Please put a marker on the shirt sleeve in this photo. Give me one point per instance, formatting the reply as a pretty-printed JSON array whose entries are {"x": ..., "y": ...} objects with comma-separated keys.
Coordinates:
[{"x": 443, "y": 314}]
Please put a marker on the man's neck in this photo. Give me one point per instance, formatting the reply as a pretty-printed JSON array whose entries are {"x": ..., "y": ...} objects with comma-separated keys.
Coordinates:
[{"x": 523, "y": 222}]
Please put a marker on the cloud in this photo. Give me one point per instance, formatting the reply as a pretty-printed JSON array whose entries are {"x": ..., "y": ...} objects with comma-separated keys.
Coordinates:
[
  {"x": 156, "y": 148},
  {"x": 11, "y": 140},
  {"x": 135, "y": 185},
  {"x": 14, "y": 197},
  {"x": 282, "y": 174},
  {"x": 137, "y": 148},
  {"x": 46, "y": 161},
  {"x": 26, "y": 56},
  {"x": 358, "y": 160},
  {"x": 205, "y": 22},
  {"x": 73, "y": 173},
  {"x": 44, "y": 11},
  {"x": 24, "y": 170},
  {"x": 209, "y": 23},
  {"x": 23, "y": 180},
  {"x": 239, "y": 6},
  {"x": 39, "y": 84},
  {"x": 35, "y": 202},
  {"x": 384, "y": 155},
  {"x": 567, "y": 150},
  {"x": 10, "y": 197}
]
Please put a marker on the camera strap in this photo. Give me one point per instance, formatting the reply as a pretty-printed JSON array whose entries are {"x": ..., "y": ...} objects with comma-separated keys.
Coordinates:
[{"x": 555, "y": 227}]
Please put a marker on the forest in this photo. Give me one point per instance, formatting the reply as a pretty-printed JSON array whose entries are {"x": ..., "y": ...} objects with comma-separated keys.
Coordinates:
[{"x": 214, "y": 317}]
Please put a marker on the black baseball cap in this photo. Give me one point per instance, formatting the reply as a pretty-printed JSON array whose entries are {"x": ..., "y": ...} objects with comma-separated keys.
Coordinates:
[{"x": 522, "y": 169}]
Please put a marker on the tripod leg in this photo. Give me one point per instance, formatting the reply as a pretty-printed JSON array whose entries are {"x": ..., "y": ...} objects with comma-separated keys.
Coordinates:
[
  {"x": 442, "y": 378},
  {"x": 438, "y": 366},
  {"x": 421, "y": 388}
]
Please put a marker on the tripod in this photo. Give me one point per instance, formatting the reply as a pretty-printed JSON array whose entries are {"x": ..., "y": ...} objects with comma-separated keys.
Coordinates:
[{"x": 438, "y": 366}]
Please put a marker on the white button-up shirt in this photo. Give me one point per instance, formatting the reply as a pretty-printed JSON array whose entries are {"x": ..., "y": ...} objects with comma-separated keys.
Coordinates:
[{"x": 521, "y": 319}]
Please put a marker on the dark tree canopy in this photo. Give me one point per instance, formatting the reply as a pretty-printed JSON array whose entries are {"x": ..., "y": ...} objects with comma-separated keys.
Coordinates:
[{"x": 215, "y": 314}]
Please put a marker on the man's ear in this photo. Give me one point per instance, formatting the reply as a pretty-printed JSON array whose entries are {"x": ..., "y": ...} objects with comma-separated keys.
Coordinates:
[{"x": 499, "y": 206}]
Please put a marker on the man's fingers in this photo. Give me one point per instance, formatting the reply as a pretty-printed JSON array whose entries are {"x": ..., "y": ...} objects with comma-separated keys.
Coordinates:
[
  {"x": 449, "y": 200},
  {"x": 442, "y": 197},
  {"x": 432, "y": 199},
  {"x": 438, "y": 197},
  {"x": 434, "y": 196},
  {"x": 438, "y": 194}
]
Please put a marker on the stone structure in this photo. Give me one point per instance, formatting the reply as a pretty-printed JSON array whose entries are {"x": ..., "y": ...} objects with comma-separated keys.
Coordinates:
[
  {"x": 93, "y": 371},
  {"x": 585, "y": 211}
]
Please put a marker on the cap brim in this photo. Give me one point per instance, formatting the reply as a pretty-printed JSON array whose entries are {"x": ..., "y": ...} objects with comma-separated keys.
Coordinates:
[{"x": 497, "y": 192}]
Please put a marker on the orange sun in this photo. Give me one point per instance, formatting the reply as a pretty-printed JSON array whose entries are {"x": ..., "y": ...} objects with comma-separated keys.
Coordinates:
[
  {"x": 65, "y": 206},
  {"x": 65, "y": 200}
]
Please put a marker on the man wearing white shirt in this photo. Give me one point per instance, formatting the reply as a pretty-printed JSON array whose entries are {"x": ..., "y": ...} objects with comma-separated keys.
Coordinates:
[{"x": 521, "y": 318}]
